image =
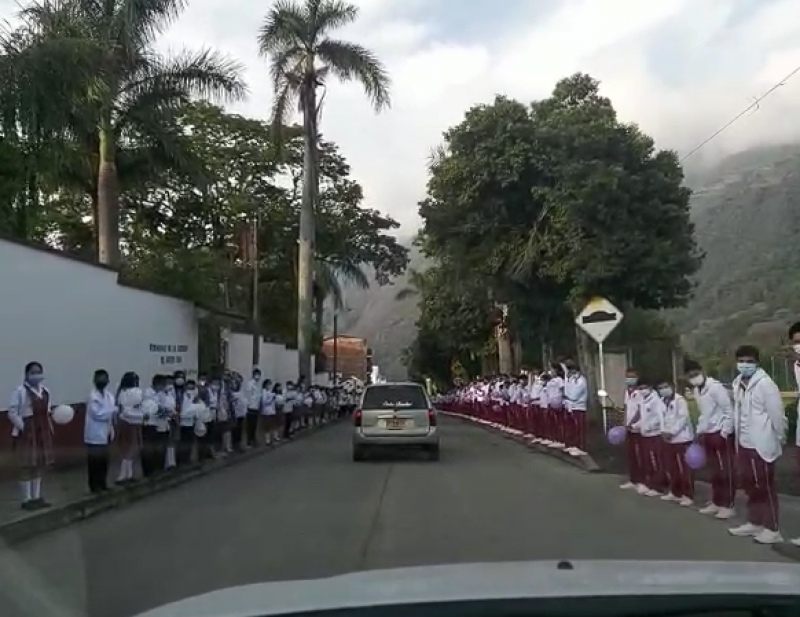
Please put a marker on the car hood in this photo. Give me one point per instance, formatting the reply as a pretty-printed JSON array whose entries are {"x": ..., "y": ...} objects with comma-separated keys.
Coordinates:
[{"x": 492, "y": 581}]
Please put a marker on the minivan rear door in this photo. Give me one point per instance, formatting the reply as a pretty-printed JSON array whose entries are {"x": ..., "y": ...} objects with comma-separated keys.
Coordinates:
[{"x": 395, "y": 410}]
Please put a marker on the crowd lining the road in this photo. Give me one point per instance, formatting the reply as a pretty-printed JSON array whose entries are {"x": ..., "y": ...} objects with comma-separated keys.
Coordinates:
[
  {"x": 169, "y": 424},
  {"x": 741, "y": 432}
]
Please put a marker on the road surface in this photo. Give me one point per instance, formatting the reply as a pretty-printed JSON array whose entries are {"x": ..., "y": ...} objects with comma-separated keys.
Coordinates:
[{"x": 307, "y": 510}]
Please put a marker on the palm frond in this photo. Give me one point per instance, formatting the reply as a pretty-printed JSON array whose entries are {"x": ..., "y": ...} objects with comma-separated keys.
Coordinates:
[
  {"x": 330, "y": 15},
  {"x": 284, "y": 27},
  {"x": 353, "y": 62}
]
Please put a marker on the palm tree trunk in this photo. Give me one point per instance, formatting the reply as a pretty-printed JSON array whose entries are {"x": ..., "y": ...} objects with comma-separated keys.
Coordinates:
[
  {"x": 305, "y": 260},
  {"x": 319, "y": 313},
  {"x": 107, "y": 197}
]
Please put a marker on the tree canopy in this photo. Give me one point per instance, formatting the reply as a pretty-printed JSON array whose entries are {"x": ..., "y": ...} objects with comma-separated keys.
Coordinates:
[{"x": 545, "y": 205}]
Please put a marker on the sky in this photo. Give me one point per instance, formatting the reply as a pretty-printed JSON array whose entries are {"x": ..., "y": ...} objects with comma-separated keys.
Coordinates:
[{"x": 679, "y": 69}]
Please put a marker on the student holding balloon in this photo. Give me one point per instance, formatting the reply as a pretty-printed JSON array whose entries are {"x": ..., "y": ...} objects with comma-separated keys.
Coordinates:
[
  {"x": 715, "y": 434},
  {"x": 32, "y": 415},
  {"x": 630, "y": 433},
  {"x": 678, "y": 433},
  {"x": 650, "y": 423}
]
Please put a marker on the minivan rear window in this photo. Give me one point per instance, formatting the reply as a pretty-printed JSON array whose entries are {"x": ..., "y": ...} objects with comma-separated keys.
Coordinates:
[{"x": 388, "y": 396}]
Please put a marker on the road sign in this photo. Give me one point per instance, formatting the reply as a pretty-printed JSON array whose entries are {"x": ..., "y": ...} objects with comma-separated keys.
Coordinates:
[{"x": 599, "y": 318}]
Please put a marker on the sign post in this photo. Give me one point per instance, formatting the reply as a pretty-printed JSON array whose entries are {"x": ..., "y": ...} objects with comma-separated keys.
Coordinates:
[{"x": 598, "y": 319}]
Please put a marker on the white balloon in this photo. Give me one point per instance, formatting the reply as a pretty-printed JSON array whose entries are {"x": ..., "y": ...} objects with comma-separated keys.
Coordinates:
[
  {"x": 280, "y": 400},
  {"x": 63, "y": 414},
  {"x": 149, "y": 407},
  {"x": 309, "y": 401}
]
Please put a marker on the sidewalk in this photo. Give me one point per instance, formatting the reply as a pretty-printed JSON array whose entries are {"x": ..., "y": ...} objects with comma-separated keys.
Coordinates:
[
  {"x": 789, "y": 505},
  {"x": 66, "y": 489}
]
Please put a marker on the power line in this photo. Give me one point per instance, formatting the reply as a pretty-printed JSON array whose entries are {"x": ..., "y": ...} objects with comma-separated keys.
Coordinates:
[{"x": 748, "y": 109}]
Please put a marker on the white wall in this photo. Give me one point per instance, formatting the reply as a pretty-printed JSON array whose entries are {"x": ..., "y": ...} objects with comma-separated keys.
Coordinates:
[
  {"x": 277, "y": 362},
  {"x": 74, "y": 318}
]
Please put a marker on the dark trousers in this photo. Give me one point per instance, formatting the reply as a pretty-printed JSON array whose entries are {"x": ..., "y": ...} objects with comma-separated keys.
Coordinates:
[
  {"x": 97, "y": 458},
  {"x": 288, "y": 418},
  {"x": 237, "y": 431},
  {"x": 205, "y": 444},
  {"x": 154, "y": 449},
  {"x": 252, "y": 426},
  {"x": 183, "y": 449}
]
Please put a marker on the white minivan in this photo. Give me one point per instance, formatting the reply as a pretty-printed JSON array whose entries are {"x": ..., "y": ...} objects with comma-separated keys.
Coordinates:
[{"x": 395, "y": 415}]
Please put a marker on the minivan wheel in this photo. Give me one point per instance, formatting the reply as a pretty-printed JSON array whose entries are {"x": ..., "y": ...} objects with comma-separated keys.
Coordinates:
[
  {"x": 359, "y": 454},
  {"x": 433, "y": 453}
]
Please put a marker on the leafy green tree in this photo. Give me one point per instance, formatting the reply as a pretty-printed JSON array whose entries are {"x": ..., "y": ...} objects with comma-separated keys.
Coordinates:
[
  {"x": 127, "y": 88},
  {"x": 556, "y": 202},
  {"x": 303, "y": 55}
]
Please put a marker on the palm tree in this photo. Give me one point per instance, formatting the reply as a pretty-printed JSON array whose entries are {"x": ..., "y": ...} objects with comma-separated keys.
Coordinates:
[
  {"x": 296, "y": 38},
  {"x": 109, "y": 47}
]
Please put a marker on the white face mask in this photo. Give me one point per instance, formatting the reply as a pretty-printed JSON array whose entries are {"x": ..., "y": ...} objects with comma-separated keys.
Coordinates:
[
  {"x": 697, "y": 380},
  {"x": 796, "y": 348}
]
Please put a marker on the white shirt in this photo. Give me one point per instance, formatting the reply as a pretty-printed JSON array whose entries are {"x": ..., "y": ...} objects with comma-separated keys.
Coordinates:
[
  {"x": 716, "y": 408},
  {"x": 576, "y": 392},
  {"x": 676, "y": 421},
  {"x": 632, "y": 400},
  {"x": 100, "y": 410},
  {"x": 555, "y": 392},
  {"x": 651, "y": 408},
  {"x": 759, "y": 418}
]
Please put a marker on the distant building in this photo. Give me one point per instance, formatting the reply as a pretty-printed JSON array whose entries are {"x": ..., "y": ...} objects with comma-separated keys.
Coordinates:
[{"x": 353, "y": 357}]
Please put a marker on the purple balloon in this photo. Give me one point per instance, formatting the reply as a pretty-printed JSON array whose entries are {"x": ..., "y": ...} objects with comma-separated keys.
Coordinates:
[
  {"x": 616, "y": 435},
  {"x": 695, "y": 456}
]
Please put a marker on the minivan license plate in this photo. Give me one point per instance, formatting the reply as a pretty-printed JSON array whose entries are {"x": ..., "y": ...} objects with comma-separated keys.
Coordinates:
[{"x": 395, "y": 423}]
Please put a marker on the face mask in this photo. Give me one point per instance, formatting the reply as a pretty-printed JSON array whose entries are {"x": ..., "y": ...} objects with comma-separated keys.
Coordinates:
[
  {"x": 179, "y": 382},
  {"x": 202, "y": 382},
  {"x": 34, "y": 378},
  {"x": 257, "y": 376},
  {"x": 746, "y": 369},
  {"x": 796, "y": 348},
  {"x": 645, "y": 391},
  {"x": 697, "y": 380},
  {"x": 631, "y": 381},
  {"x": 665, "y": 392}
]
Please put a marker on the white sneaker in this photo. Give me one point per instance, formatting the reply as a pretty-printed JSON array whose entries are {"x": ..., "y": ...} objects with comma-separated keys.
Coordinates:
[
  {"x": 554, "y": 445},
  {"x": 669, "y": 497},
  {"x": 559, "y": 446},
  {"x": 795, "y": 541},
  {"x": 748, "y": 529},
  {"x": 627, "y": 486},
  {"x": 652, "y": 493},
  {"x": 573, "y": 451},
  {"x": 641, "y": 489},
  {"x": 709, "y": 509},
  {"x": 724, "y": 514},
  {"x": 768, "y": 536},
  {"x": 686, "y": 502}
]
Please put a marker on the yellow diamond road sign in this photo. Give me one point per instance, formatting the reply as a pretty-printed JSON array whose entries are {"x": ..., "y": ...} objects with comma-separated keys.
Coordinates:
[{"x": 599, "y": 318}]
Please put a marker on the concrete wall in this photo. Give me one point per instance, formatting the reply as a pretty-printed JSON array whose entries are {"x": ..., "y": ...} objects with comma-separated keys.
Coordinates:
[
  {"x": 74, "y": 317},
  {"x": 278, "y": 363}
]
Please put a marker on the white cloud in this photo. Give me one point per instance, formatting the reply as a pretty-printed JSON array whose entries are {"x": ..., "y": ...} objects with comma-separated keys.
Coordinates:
[{"x": 715, "y": 70}]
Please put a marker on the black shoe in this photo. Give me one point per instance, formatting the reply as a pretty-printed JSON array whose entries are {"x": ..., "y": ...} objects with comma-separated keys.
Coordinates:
[
  {"x": 28, "y": 505},
  {"x": 41, "y": 504}
]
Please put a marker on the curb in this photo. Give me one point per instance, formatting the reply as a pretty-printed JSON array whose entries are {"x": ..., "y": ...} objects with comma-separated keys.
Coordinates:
[
  {"x": 584, "y": 462},
  {"x": 62, "y": 515}
]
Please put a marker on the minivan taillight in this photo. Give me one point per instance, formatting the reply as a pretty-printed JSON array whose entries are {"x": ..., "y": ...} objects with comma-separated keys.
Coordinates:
[
  {"x": 357, "y": 417},
  {"x": 431, "y": 417}
]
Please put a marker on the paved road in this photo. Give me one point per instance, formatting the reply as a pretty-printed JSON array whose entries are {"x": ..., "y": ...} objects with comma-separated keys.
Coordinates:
[{"x": 308, "y": 511}]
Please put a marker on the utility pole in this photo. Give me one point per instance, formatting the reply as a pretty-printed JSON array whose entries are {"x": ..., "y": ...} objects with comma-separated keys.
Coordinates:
[
  {"x": 254, "y": 261},
  {"x": 335, "y": 347}
]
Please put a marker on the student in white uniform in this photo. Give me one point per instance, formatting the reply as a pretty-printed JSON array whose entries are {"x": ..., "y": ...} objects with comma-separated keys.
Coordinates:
[
  {"x": 268, "y": 414},
  {"x": 678, "y": 434},
  {"x": 633, "y": 437},
  {"x": 759, "y": 420},
  {"x": 576, "y": 397},
  {"x": 650, "y": 424},
  {"x": 289, "y": 416},
  {"x": 715, "y": 434},
  {"x": 97, "y": 432},
  {"x": 555, "y": 403},
  {"x": 253, "y": 394},
  {"x": 128, "y": 427}
]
